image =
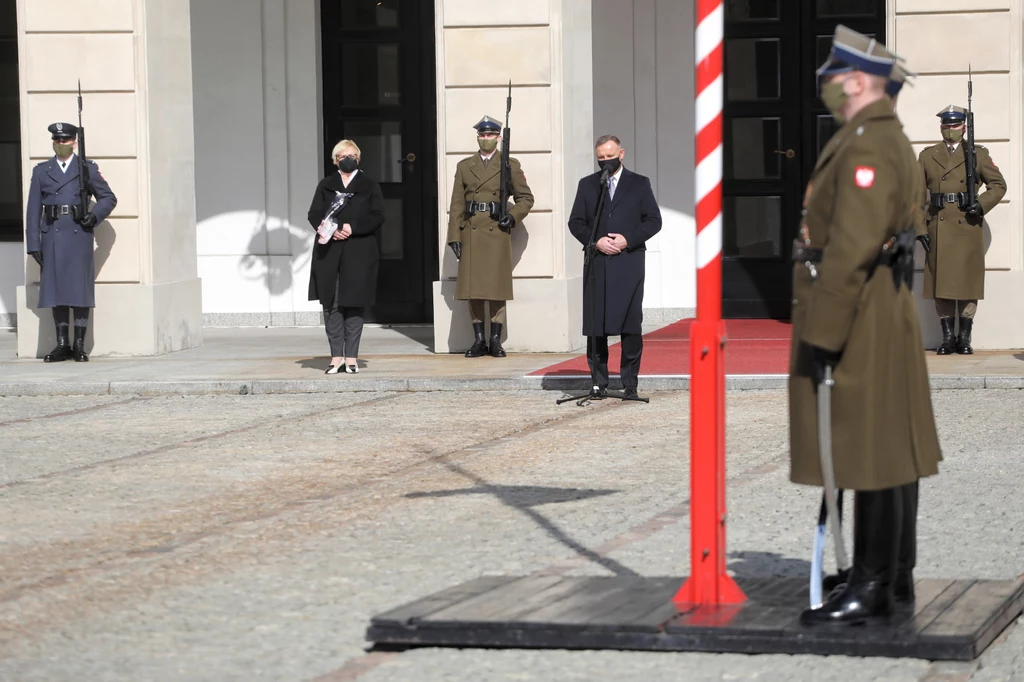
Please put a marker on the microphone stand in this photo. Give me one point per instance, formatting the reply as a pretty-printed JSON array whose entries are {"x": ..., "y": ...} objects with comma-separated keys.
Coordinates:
[{"x": 589, "y": 256}]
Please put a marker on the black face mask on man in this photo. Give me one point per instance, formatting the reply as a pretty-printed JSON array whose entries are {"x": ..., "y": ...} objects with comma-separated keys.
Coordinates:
[
  {"x": 610, "y": 165},
  {"x": 347, "y": 164}
]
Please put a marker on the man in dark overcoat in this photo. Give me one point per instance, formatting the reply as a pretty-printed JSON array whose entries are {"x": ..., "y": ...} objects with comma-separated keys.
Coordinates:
[
  {"x": 613, "y": 302},
  {"x": 855, "y": 320},
  {"x": 481, "y": 241},
  {"x": 954, "y": 273},
  {"x": 59, "y": 236}
]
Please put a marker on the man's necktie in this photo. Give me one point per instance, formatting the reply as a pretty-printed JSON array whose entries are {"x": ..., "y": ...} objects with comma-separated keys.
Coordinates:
[{"x": 611, "y": 187}]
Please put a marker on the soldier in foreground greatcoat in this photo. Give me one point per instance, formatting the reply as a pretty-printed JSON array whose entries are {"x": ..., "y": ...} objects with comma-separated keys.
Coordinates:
[
  {"x": 954, "y": 272},
  {"x": 854, "y": 313},
  {"x": 59, "y": 236}
]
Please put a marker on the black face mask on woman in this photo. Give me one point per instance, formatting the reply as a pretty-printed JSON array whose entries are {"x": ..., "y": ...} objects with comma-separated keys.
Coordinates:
[{"x": 348, "y": 164}]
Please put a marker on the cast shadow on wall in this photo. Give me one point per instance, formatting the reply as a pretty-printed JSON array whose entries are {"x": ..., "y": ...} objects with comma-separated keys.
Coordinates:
[{"x": 276, "y": 251}]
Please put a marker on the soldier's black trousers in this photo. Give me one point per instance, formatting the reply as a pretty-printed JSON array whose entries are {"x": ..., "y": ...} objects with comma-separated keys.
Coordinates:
[
  {"x": 60, "y": 317},
  {"x": 629, "y": 364}
]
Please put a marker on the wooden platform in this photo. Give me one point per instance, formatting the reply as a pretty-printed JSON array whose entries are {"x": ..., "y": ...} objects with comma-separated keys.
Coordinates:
[{"x": 951, "y": 620}]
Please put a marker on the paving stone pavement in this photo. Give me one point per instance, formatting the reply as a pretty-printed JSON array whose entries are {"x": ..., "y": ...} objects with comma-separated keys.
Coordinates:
[{"x": 252, "y": 537}]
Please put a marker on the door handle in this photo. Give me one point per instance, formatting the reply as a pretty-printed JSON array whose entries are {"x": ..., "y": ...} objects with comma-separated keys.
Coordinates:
[
  {"x": 408, "y": 158},
  {"x": 789, "y": 153}
]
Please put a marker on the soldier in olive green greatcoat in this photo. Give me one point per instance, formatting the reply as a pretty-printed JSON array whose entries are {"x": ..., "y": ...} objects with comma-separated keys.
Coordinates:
[
  {"x": 481, "y": 242},
  {"x": 854, "y": 312},
  {"x": 954, "y": 272}
]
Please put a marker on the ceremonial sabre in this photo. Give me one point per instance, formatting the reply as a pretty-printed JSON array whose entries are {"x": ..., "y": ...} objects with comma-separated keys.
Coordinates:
[{"x": 830, "y": 506}]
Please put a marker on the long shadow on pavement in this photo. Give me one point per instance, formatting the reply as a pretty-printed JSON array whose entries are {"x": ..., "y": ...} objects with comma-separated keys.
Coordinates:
[
  {"x": 525, "y": 499},
  {"x": 765, "y": 564}
]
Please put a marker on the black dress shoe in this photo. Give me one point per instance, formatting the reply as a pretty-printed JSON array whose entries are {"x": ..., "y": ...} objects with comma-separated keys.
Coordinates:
[
  {"x": 860, "y": 603},
  {"x": 948, "y": 344},
  {"x": 479, "y": 347},
  {"x": 598, "y": 392},
  {"x": 496, "y": 350},
  {"x": 78, "y": 351},
  {"x": 630, "y": 393}
]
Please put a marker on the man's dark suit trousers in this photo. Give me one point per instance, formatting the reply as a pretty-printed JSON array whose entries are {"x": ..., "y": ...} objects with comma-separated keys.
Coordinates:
[{"x": 629, "y": 366}]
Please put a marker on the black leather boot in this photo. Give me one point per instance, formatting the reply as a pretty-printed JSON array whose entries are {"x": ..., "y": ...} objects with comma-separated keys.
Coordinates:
[
  {"x": 963, "y": 340},
  {"x": 62, "y": 351},
  {"x": 903, "y": 588},
  {"x": 948, "y": 344},
  {"x": 496, "y": 350},
  {"x": 79, "y": 347},
  {"x": 479, "y": 347},
  {"x": 867, "y": 595}
]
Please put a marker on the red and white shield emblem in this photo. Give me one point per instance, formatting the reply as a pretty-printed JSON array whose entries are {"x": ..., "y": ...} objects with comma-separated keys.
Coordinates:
[{"x": 864, "y": 176}]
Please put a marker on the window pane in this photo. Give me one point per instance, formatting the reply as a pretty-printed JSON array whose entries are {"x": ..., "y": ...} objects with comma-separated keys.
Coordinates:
[
  {"x": 10, "y": 181},
  {"x": 369, "y": 75},
  {"x": 369, "y": 13},
  {"x": 752, "y": 69},
  {"x": 747, "y": 10},
  {"x": 380, "y": 146},
  {"x": 391, "y": 237},
  {"x": 752, "y": 227},
  {"x": 825, "y": 127},
  {"x": 753, "y": 144},
  {"x": 9, "y": 19},
  {"x": 845, "y": 8}
]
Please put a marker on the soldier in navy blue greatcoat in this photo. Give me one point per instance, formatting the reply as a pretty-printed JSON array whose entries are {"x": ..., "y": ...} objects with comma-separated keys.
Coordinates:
[{"x": 58, "y": 234}]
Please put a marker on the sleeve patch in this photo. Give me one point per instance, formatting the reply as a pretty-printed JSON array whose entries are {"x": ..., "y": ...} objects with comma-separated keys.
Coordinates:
[{"x": 864, "y": 176}]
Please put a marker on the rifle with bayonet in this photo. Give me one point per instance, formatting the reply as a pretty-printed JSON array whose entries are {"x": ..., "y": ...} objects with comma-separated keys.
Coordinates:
[
  {"x": 84, "y": 185},
  {"x": 970, "y": 160},
  {"x": 506, "y": 165}
]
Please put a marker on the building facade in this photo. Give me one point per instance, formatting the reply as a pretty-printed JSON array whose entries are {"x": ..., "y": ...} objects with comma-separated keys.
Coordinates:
[{"x": 213, "y": 122}]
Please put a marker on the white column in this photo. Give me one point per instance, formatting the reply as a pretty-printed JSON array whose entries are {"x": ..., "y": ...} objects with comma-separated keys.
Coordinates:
[
  {"x": 544, "y": 47},
  {"x": 134, "y": 61}
]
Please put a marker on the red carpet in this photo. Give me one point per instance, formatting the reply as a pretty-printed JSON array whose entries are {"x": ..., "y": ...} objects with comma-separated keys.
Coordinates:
[{"x": 754, "y": 347}]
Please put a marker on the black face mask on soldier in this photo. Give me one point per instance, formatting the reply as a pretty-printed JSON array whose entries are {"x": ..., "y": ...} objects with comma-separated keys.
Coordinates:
[
  {"x": 348, "y": 164},
  {"x": 610, "y": 165}
]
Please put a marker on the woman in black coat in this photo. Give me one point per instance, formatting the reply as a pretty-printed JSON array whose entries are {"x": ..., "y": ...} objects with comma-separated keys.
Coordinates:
[{"x": 343, "y": 276}]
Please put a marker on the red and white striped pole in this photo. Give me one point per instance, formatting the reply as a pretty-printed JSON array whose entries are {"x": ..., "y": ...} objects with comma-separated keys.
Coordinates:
[{"x": 708, "y": 582}]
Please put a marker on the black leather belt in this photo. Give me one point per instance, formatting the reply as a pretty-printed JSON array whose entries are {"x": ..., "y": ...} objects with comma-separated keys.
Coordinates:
[
  {"x": 473, "y": 207},
  {"x": 938, "y": 200},
  {"x": 53, "y": 211}
]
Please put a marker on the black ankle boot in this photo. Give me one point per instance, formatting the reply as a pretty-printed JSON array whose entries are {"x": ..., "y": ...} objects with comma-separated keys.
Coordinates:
[
  {"x": 62, "y": 351},
  {"x": 496, "y": 350},
  {"x": 479, "y": 347},
  {"x": 79, "y": 347},
  {"x": 963, "y": 340},
  {"x": 867, "y": 595},
  {"x": 948, "y": 344}
]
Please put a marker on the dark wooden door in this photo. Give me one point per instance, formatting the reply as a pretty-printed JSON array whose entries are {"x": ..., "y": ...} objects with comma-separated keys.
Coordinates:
[
  {"x": 774, "y": 127},
  {"x": 378, "y": 90}
]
